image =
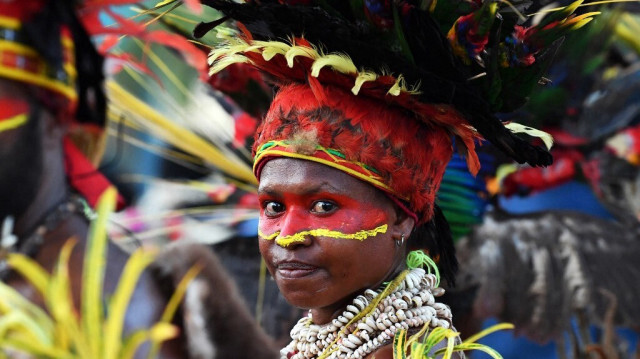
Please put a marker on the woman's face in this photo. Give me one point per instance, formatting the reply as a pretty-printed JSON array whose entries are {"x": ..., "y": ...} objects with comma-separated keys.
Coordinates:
[{"x": 310, "y": 216}]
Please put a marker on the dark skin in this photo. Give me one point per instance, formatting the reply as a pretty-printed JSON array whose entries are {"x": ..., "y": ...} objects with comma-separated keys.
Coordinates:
[
  {"x": 325, "y": 274},
  {"x": 50, "y": 188}
]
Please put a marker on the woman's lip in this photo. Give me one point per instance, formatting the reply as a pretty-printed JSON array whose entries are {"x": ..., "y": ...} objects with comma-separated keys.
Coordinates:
[{"x": 295, "y": 269}]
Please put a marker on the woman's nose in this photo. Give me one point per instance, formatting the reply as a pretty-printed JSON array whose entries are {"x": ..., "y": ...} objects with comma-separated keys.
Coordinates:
[{"x": 295, "y": 231}]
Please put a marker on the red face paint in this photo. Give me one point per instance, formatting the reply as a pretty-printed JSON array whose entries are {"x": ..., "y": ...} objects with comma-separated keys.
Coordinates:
[
  {"x": 13, "y": 113},
  {"x": 327, "y": 214}
]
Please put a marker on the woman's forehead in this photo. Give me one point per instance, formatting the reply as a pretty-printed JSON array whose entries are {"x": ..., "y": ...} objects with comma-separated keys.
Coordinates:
[{"x": 305, "y": 177}]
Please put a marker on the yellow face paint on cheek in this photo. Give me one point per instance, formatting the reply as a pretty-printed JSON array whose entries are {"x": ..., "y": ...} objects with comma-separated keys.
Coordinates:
[
  {"x": 322, "y": 232},
  {"x": 13, "y": 122}
]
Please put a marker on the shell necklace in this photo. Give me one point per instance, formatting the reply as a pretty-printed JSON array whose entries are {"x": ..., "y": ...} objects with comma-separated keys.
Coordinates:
[{"x": 410, "y": 305}]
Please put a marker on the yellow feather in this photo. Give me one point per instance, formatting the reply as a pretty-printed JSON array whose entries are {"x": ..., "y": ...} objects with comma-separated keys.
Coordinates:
[
  {"x": 271, "y": 48},
  {"x": 300, "y": 51},
  {"x": 226, "y": 61},
  {"x": 269, "y": 52},
  {"x": 398, "y": 87},
  {"x": 339, "y": 62},
  {"x": 363, "y": 77}
]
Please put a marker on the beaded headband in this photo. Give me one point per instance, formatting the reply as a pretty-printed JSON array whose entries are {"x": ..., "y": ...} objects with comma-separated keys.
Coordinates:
[{"x": 326, "y": 156}]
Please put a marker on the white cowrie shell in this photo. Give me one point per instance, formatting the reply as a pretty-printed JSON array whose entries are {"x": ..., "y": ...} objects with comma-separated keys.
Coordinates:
[
  {"x": 354, "y": 339},
  {"x": 424, "y": 295},
  {"x": 370, "y": 322},
  {"x": 400, "y": 304},
  {"x": 408, "y": 313},
  {"x": 389, "y": 309},
  {"x": 347, "y": 346},
  {"x": 370, "y": 293},
  {"x": 408, "y": 282},
  {"x": 400, "y": 315},
  {"x": 364, "y": 335},
  {"x": 360, "y": 302},
  {"x": 431, "y": 299},
  {"x": 348, "y": 315},
  {"x": 353, "y": 309},
  {"x": 434, "y": 322},
  {"x": 343, "y": 319},
  {"x": 416, "y": 280}
]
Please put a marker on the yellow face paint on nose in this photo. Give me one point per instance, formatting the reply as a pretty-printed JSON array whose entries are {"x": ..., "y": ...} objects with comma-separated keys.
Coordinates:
[
  {"x": 322, "y": 232},
  {"x": 13, "y": 122}
]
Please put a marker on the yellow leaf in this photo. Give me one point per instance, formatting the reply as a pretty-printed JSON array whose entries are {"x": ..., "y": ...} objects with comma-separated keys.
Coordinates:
[
  {"x": 158, "y": 333},
  {"x": 93, "y": 271},
  {"x": 180, "y": 136},
  {"x": 30, "y": 270},
  {"x": 138, "y": 261},
  {"x": 399, "y": 340},
  {"x": 491, "y": 329}
]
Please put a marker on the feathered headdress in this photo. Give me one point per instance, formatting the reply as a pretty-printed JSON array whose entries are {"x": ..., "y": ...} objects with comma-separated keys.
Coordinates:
[
  {"x": 381, "y": 89},
  {"x": 466, "y": 56}
]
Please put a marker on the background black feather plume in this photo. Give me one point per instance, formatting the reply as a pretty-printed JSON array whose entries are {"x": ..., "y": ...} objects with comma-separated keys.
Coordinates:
[{"x": 43, "y": 32}]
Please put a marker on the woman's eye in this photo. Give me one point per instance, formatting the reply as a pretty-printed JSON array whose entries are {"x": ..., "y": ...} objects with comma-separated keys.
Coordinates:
[
  {"x": 323, "y": 207},
  {"x": 273, "y": 208}
]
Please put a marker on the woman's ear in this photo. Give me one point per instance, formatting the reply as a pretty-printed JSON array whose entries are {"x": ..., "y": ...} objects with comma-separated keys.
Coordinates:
[{"x": 403, "y": 225}]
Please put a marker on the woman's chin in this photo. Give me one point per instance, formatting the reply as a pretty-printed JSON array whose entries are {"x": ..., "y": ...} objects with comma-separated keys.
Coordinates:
[{"x": 306, "y": 292}]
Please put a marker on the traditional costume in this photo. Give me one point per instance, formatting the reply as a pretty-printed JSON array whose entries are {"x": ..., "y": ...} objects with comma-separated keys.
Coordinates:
[
  {"x": 44, "y": 46},
  {"x": 382, "y": 90}
]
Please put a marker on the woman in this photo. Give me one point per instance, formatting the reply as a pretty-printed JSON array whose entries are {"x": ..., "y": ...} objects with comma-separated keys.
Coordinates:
[
  {"x": 349, "y": 158},
  {"x": 328, "y": 232}
]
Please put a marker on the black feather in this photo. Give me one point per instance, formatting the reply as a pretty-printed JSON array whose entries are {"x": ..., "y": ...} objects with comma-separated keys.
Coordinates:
[
  {"x": 443, "y": 79},
  {"x": 435, "y": 237}
]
